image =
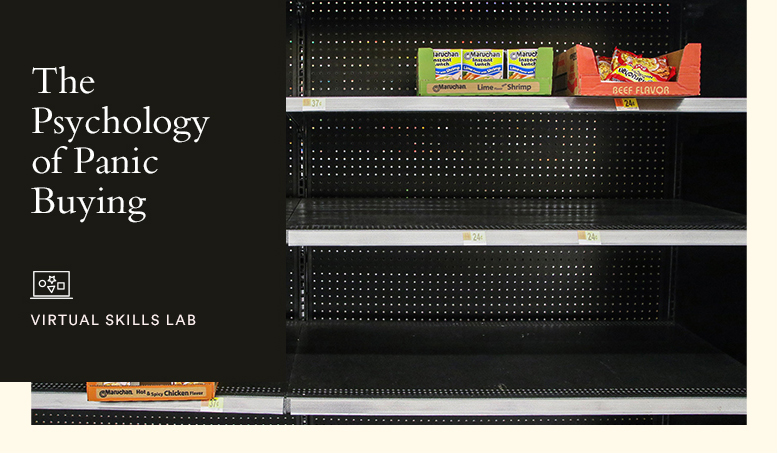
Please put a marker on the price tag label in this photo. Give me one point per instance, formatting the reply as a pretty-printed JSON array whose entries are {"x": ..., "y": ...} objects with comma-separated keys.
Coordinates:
[
  {"x": 589, "y": 238},
  {"x": 474, "y": 237},
  {"x": 314, "y": 104},
  {"x": 212, "y": 405},
  {"x": 626, "y": 104}
]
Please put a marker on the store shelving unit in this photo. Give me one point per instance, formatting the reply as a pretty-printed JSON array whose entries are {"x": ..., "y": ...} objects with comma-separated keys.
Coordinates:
[
  {"x": 436, "y": 222},
  {"x": 393, "y": 317},
  {"x": 507, "y": 104},
  {"x": 403, "y": 317}
]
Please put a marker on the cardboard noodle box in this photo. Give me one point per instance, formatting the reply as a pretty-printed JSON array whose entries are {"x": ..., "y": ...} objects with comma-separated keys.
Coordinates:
[
  {"x": 482, "y": 64},
  {"x": 448, "y": 64},
  {"x": 576, "y": 73},
  {"x": 149, "y": 391},
  {"x": 427, "y": 85}
]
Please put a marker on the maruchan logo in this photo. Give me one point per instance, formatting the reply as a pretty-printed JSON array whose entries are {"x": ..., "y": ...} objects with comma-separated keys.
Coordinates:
[
  {"x": 524, "y": 53},
  {"x": 482, "y": 53},
  {"x": 449, "y": 87},
  {"x": 633, "y": 75},
  {"x": 104, "y": 393}
]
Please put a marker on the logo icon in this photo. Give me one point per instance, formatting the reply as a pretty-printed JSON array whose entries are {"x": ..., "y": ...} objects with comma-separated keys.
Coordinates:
[{"x": 51, "y": 285}]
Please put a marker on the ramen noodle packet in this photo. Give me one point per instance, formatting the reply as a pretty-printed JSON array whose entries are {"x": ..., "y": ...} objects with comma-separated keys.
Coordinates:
[
  {"x": 521, "y": 63},
  {"x": 604, "y": 65},
  {"x": 448, "y": 64},
  {"x": 630, "y": 67},
  {"x": 482, "y": 64}
]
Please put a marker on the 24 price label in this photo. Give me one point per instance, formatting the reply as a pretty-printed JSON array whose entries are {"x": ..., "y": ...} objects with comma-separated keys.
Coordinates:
[
  {"x": 589, "y": 238},
  {"x": 474, "y": 237},
  {"x": 626, "y": 104}
]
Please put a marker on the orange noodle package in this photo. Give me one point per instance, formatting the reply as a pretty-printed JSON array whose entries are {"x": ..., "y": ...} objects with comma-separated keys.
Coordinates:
[
  {"x": 604, "y": 65},
  {"x": 630, "y": 67}
]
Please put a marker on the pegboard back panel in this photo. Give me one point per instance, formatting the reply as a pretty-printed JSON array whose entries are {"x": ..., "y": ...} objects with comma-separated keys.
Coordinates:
[
  {"x": 368, "y": 48},
  {"x": 293, "y": 152},
  {"x": 133, "y": 417},
  {"x": 491, "y": 155},
  {"x": 483, "y": 420},
  {"x": 292, "y": 282},
  {"x": 293, "y": 50},
  {"x": 490, "y": 283}
]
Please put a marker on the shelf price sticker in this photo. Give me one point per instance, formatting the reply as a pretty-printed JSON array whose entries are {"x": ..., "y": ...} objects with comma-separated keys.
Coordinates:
[
  {"x": 474, "y": 237},
  {"x": 626, "y": 104},
  {"x": 212, "y": 405},
  {"x": 313, "y": 104},
  {"x": 589, "y": 238}
]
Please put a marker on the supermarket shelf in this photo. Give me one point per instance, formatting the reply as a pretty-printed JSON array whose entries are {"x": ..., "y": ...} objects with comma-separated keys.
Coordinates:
[
  {"x": 345, "y": 238},
  {"x": 517, "y": 406},
  {"x": 531, "y": 222},
  {"x": 514, "y": 104},
  {"x": 232, "y": 404},
  {"x": 415, "y": 368}
]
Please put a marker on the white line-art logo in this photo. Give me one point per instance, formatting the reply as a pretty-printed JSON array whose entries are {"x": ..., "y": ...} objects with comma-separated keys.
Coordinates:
[{"x": 51, "y": 285}]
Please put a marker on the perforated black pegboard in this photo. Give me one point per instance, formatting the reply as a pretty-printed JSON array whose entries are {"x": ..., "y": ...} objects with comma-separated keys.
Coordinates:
[
  {"x": 293, "y": 153},
  {"x": 58, "y": 386},
  {"x": 369, "y": 48},
  {"x": 104, "y": 417},
  {"x": 568, "y": 420},
  {"x": 293, "y": 51},
  {"x": 491, "y": 155},
  {"x": 490, "y": 283},
  {"x": 292, "y": 282}
]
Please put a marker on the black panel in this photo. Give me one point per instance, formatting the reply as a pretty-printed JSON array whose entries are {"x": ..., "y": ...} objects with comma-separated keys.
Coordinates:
[
  {"x": 564, "y": 420},
  {"x": 720, "y": 25},
  {"x": 706, "y": 420},
  {"x": 291, "y": 272},
  {"x": 713, "y": 165},
  {"x": 114, "y": 417},
  {"x": 58, "y": 387},
  {"x": 491, "y": 155},
  {"x": 489, "y": 283},
  {"x": 369, "y": 48},
  {"x": 292, "y": 50},
  {"x": 293, "y": 155},
  {"x": 712, "y": 285}
]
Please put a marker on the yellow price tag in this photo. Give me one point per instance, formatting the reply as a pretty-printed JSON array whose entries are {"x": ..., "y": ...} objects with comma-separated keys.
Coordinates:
[
  {"x": 589, "y": 238},
  {"x": 626, "y": 104},
  {"x": 314, "y": 104},
  {"x": 212, "y": 405},
  {"x": 474, "y": 237}
]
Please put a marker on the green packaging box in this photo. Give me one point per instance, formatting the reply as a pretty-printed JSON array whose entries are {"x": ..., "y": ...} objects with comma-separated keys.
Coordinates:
[{"x": 538, "y": 86}]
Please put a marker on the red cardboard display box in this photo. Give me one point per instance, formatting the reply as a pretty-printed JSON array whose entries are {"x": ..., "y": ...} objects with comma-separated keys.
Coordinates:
[
  {"x": 149, "y": 391},
  {"x": 576, "y": 73}
]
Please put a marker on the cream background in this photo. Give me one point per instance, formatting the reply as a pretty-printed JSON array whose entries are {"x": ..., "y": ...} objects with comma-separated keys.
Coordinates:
[{"x": 18, "y": 435}]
